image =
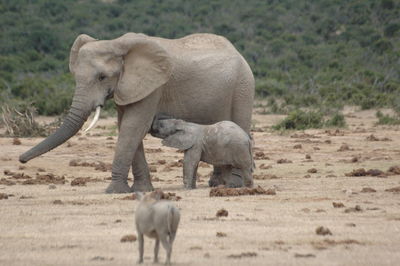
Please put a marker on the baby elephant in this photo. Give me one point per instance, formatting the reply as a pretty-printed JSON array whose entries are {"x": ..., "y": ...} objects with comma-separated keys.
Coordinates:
[
  {"x": 157, "y": 219},
  {"x": 223, "y": 144}
]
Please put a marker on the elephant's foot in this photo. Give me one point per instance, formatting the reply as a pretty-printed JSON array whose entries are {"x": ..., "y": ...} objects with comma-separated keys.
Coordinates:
[
  {"x": 215, "y": 180},
  {"x": 189, "y": 184},
  {"x": 141, "y": 187},
  {"x": 248, "y": 182},
  {"x": 118, "y": 187},
  {"x": 234, "y": 181}
]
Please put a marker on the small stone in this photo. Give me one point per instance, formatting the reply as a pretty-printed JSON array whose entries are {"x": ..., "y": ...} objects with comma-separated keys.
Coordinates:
[
  {"x": 221, "y": 234},
  {"x": 58, "y": 202},
  {"x": 16, "y": 141},
  {"x": 128, "y": 238},
  {"x": 338, "y": 205},
  {"x": 52, "y": 186},
  {"x": 3, "y": 196},
  {"x": 312, "y": 170},
  {"x": 222, "y": 213}
]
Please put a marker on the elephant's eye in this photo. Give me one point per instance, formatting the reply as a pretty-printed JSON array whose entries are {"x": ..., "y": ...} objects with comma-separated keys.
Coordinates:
[{"x": 102, "y": 77}]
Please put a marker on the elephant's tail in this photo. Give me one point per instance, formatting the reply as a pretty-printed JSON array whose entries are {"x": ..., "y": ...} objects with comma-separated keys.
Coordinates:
[{"x": 251, "y": 145}]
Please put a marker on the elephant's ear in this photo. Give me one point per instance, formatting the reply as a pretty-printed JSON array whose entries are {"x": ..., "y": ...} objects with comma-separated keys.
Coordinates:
[
  {"x": 147, "y": 66},
  {"x": 181, "y": 140},
  {"x": 78, "y": 43}
]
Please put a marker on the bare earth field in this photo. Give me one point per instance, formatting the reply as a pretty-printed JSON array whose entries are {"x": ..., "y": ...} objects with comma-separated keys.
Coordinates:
[{"x": 49, "y": 217}]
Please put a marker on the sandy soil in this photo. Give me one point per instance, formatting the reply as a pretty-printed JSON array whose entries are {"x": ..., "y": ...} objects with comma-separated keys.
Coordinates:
[{"x": 61, "y": 224}]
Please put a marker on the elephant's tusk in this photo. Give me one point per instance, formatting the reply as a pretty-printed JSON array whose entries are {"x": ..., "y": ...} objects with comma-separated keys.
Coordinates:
[{"x": 95, "y": 119}]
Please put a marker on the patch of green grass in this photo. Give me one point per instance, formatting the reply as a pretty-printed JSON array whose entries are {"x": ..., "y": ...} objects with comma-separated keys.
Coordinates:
[
  {"x": 387, "y": 119},
  {"x": 300, "y": 120},
  {"x": 337, "y": 120}
]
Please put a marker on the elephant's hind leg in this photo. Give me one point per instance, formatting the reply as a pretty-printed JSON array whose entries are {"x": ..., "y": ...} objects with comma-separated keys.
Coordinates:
[{"x": 216, "y": 178}]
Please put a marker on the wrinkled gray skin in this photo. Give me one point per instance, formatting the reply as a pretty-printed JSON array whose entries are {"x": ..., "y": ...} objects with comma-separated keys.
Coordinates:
[
  {"x": 200, "y": 78},
  {"x": 157, "y": 219},
  {"x": 222, "y": 144}
]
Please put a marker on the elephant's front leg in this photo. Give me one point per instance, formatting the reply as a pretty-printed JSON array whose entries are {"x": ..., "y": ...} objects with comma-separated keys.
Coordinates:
[
  {"x": 134, "y": 124},
  {"x": 191, "y": 160},
  {"x": 140, "y": 171}
]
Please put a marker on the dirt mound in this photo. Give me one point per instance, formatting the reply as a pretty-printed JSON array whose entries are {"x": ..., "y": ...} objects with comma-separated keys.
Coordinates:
[
  {"x": 303, "y": 136},
  {"x": 363, "y": 172},
  {"x": 16, "y": 175},
  {"x": 6, "y": 182},
  {"x": 394, "y": 189},
  {"x": 280, "y": 161},
  {"x": 368, "y": 190},
  {"x": 151, "y": 150},
  {"x": 16, "y": 141},
  {"x": 129, "y": 197},
  {"x": 45, "y": 180},
  {"x": 221, "y": 234},
  {"x": 373, "y": 138},
  {"x": 264, "y": 177},
  {"x": 356, "y": 208},
  {"x": 128, "y": 238},
  {"x": 265, "y": 166},
  {"x": 338, "y": 205},
  {"x": 326, "y": 243},
  {"x": 394, "y": 170},
  {"x": 259, "y": 155},
  {"x": 312, "y": 170},
  {"x": 226, "y": 192},
  {"x": 323, "y": 231},
  {"x": 176, "y": 164},
  {"x": 170, "y": 196},
  {"x": 243, "y": 255},
  {"x": 336, "y": 132},
  {"x": 344, "y": 147},
  {"x": 3, "y": 196},
  {"x": 98, "y": 165},
  {"x": 81, "y": 181}
]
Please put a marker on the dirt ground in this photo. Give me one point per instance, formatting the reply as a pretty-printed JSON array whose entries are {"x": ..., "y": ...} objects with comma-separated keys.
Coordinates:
[{"x": 323, "y": 212}]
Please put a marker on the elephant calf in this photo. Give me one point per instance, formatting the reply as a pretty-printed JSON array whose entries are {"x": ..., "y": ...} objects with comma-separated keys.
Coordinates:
[
  {"x": 223, "y": 144},
  {"x": 157, "y": 219}
]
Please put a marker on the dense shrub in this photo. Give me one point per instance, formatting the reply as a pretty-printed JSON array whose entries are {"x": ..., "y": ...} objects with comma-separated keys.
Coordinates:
[
  {"x": 309, "y": 53},
  {"x": 300, "y": 120},
  {"x": 387, "y": 119}
]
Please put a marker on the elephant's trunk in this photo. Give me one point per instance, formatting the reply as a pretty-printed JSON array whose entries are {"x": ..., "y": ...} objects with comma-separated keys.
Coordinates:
[{"x": 74, "y": 120}]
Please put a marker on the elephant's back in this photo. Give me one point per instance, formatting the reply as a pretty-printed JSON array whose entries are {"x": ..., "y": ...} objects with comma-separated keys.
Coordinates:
[{"x": 198, "y": 42}]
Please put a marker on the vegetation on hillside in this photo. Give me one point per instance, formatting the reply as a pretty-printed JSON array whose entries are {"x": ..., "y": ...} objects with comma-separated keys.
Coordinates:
[{"x": 327, "y": 52}]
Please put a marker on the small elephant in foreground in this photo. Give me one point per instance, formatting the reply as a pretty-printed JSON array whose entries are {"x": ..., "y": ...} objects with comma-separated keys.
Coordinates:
[
  {"x": 223, "y": 144},
  {"x": 157, "y": 219}
]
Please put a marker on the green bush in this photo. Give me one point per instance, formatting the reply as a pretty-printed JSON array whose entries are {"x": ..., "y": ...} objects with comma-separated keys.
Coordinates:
[
  {"x": 337, "y": 120},
  {"x": 300, "y": 120},
  {"x": 387, "y": 119},
  {"x": 311, "y": 53}
]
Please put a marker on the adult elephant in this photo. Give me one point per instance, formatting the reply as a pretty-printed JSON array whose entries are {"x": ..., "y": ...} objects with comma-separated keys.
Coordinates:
[{"x": 200, "y": 78}]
